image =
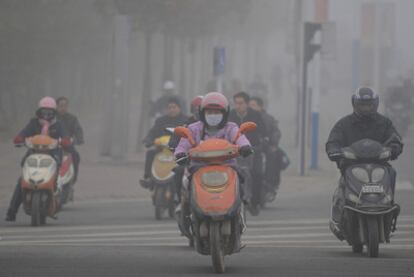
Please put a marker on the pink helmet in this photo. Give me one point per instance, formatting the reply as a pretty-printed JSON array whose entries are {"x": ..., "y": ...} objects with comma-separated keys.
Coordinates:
[
  {"x": 46, "y": 109},
  {"x": 215, "y": 101},
  {"x": 47, "y": 103}
]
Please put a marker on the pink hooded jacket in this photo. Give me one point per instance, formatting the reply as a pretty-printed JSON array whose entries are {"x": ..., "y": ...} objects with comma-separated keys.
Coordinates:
[{"x": 228, "y": 132}]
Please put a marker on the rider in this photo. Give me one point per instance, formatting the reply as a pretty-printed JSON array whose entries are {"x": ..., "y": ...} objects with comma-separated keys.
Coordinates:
[
  {"x": 173, "y": 118},
  {"x": 213, "y": 123},
  {"x": 240, "y": 114},
  {"x": 271, "y": 149},
  {"x": 73, "y": 127},
  {"x": 364, "y": 123},
  {"x": 45, "y": 114},
  {"x": 169, "y": 91}
]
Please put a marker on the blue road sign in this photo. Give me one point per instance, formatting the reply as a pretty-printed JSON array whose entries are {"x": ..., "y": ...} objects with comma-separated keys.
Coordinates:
[{"x": 219, "y": 60}]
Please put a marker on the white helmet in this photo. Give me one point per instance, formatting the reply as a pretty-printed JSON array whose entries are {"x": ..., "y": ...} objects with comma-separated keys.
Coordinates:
[{"x": 169, "y": 85}]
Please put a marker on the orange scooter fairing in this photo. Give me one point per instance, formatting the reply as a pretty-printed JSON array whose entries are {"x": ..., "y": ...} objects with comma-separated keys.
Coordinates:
[{"x": 215, "y": 189}]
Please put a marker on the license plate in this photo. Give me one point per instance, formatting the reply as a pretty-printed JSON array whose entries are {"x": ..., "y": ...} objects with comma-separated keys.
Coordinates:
[{"x": 373, "y": 189}]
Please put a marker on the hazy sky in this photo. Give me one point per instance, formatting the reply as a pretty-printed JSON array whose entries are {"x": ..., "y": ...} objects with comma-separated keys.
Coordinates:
[{"x": 347, "y": 14}]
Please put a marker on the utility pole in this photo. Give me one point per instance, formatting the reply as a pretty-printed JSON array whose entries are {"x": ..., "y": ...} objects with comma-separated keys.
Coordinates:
[{"x": 309, "y": 50}]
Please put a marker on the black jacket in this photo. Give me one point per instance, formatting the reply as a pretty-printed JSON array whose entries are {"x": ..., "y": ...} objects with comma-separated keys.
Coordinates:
[
  {"x": 256, "y": 136},
  {"x": 272, "y": 129},
  {"x": 160, "y": 124},
  {"x": 175, "y": 140},
  {"x": 159, "y": 106},
  {"x": 73, "y": 127},
  {"x": 353, "y": 128},
  {"x": 56, "y": 129}
]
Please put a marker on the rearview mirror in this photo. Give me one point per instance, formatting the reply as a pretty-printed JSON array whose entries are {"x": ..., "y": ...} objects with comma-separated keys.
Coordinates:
[
  {"x": 245, "y": 128},
  {"x": 184, "y": 133}
]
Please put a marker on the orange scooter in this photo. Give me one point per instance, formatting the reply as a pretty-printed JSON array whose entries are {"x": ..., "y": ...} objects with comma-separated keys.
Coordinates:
[
  {"x": 38, "y": 181},
  {"x": 216, "y": 206}
]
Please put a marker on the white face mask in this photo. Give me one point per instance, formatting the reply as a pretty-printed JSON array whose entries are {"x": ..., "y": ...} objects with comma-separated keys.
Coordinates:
[{"x": 214, "y": 119}]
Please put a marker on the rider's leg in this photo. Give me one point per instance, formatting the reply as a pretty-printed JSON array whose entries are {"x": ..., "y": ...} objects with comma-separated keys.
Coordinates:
[{"x": 15, "y": 202}]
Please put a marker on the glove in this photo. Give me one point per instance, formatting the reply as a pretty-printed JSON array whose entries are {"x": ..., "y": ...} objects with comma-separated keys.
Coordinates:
[
  {"x": 395, "y": 151},
  {"x": 147, "y": 143},
  {"x": 18, "y": 140},
  {"x": 181, "y": 158},
  {"x": 245, "y": 151},
  {"x": 66, "y": 142},
  {"x": 335, "y": 155}
]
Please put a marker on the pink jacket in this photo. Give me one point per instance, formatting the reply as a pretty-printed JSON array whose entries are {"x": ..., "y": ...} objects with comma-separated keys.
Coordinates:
[{"x": 228, "y": 132}]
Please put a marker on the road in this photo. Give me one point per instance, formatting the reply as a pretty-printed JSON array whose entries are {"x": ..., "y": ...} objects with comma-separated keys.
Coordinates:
[{"x": 119, "y": 237}]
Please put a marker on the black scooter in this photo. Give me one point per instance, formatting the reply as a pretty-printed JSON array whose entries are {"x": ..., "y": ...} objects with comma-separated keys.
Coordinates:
[{"x": 369, "y": 214}]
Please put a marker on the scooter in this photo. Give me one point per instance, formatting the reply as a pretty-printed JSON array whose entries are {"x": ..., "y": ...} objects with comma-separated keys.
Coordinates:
[
  {"x": 369, "y": 214},
  {"x": 38, "y": 181},
  {"x": 66, "y": 180},
  {"x": 162, "y": 179},
  {"x": 216, "y": 206}
]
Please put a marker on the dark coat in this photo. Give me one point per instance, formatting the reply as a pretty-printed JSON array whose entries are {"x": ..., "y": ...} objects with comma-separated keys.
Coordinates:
[
  {"x": 256, "y": 136},
  {"x": 175, "y": 140},
  {"x": 272, "y": 129},
  {"x": 73, "y": 127},
  {"x": 56, "y": 130},
  {"x": 161, "y": 123},
  {"x": 353, "y": 128}
]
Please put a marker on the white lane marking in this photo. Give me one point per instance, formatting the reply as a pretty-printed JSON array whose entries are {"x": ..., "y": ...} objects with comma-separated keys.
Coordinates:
[
  {"x": 260, "y": 244},
  {"x": 97, "y": 235},
  {"x": 405, "y": 185},
  {"x": 257, "y": 225},
  {"x": 28, "y": 229},
  {"x": 127, "y": 237}
]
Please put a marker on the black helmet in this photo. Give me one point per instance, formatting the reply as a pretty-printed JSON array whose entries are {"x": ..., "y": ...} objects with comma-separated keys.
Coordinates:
[{"x": 365, "y": 102}]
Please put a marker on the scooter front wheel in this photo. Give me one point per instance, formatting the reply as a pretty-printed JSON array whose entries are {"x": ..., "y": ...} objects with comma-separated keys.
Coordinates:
[
  {"x": 372, "y": 237},
  {"x": 37, "y": 216},
  {"x": 216, "y": 248}
]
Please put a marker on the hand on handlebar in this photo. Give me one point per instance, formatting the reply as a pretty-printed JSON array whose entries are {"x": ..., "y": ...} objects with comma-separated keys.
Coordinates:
[
  {"x": 245, "y": 150},
  {"x": 336, "y": 155},
  {"x": 181, "y": 158}
]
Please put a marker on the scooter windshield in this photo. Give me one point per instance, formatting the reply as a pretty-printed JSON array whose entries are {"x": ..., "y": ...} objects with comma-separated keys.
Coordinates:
[
  {"x": 367, "y": 149},
  {"x": 214, "y": 150}
]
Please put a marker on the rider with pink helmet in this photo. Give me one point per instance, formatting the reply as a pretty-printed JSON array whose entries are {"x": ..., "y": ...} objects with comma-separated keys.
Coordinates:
[{"x": 45, "y": 120}]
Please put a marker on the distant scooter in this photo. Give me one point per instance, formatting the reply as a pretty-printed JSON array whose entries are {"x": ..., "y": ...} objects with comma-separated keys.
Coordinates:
[
  {"x": 66, "y": 180},
  {"x": 38, "y": 181},
  {"x": 369, "y": 214},
  {"x": 163, "y": 178}
]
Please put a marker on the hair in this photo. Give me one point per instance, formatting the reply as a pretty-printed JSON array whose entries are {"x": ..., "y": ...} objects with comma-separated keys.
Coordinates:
[
  {"x": 258, "y": 100},
  {"x": 62, "y": 98},
  {"x": 243, "y": 95},
  {"x": 174, "y": 100}
]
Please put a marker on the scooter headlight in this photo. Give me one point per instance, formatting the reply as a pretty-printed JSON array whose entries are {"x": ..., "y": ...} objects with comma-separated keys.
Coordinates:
[
  {"x": 215, "y": 178},
  {"x": 361, "y": 174},
  {"x": 31, "y": 162},
  {"x": 45, "y": 162},
  {"x": 377, "y": 174}
]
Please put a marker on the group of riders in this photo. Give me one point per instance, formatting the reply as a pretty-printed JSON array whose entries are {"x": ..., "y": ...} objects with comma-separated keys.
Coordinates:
[
  {"x": 261, "y": 159},
  {"x": 211, "y": 116}
]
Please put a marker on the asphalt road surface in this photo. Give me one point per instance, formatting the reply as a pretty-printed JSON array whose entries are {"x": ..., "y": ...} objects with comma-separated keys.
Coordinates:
[{"x": 121, "y": 238}]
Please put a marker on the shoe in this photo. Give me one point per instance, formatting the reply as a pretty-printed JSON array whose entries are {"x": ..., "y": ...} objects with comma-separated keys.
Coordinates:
[
  {"x": 270, "y": 196},
  {"x": 11, "y": 217},
  {"x": 145, "y": 183},
  {"x": 334, "y": 226}
]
